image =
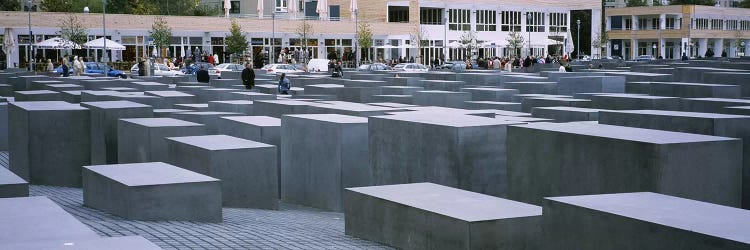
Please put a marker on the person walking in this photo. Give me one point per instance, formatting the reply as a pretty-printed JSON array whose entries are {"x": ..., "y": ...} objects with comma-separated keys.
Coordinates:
[
  {"x": 248, "y": 76},
  {"x": 81, "y": 66},
  {"x": 50, "y": 67},
  {"x": 496, "y": 63},
  {"x": 202, "y": 75},
  {"x": 65, "y": 69},
  {"x": 284, "y": 84}
]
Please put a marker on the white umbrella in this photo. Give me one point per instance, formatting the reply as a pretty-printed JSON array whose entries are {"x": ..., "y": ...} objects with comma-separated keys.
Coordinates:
[
  {"x": 260, "y": 8},
  {"x": 292, "y": 8},
  {"x": 569, "y": 47},
  {"x": 153, "y": 52},
  {"x": 322, "y": 9},
  {"x": 9, "y": 43},
  {"x": 57, "y": 43},
  {"x": 455, "y": 44},
  {"x": 99, "y": 44},
  {"x": 353, "y": 8},
  {"x": 227, "y": 6}
]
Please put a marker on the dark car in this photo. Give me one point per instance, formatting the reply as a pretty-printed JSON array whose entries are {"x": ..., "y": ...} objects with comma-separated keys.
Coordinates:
[
  {"x": 374, "y": 67},
  {"x": 190, "y": 70},
  {"x": 95, "y": 68},
  {"x": 457, "y": 66}
]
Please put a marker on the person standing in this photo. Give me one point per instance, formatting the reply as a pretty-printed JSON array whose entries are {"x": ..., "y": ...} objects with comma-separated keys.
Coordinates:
[
  {"x": 50, "y": 66},
  {"x": 65, "y": 69},
  {"x": 142, "y": 68},
  {"x": 284, "y": 84},
  {"x": 248, "y": 76},
  {"x": 496, "y": 63},
  {"x": 202, "y": 75}
]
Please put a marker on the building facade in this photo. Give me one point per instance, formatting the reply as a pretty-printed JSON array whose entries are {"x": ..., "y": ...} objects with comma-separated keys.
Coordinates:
[
  {"x": 419, "y": 29},
  {"x": 670, "y": 31}
]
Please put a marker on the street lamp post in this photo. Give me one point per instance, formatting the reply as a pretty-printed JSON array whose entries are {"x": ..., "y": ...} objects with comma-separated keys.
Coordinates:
[
  {"x": 273, "y": 39},
  {"x": 528, "y": 30},
  {"x": 105, "y": 58},
  {"x": 30, "y": 51},
  {"x": 356, "y": 38},
  {"x": 445, "y": 37},
  {"x": 578, "y": 53}
]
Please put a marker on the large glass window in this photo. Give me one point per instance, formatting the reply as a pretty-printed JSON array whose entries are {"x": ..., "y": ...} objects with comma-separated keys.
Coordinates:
[
  {"x": 700, "y": 23},
  {"x": 398, "y": 14},
  {"x": 628, "y": 24},
  {"x": 511, "y": 21},
  {"x": 281, "y": 6},
  {"x": 731, "y": 24},
  {"x": 558, "y": 22},
  {"x": 655, "y": 23},
  {"x": 431, "y": 16},
  {"x": 486, "y": 20},
  {"x": 459, "y": 19},
  {"x": 717, "y": 24},
  {"x": 534, "y": 22},
  {"x": 744, "y": 25},
  {"x": 670, "y": 23}
]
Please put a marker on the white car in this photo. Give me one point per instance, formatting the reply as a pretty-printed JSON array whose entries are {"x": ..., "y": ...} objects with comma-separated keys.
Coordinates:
[
  {"x": 318, "y": 65},
  {"x": 229, "y": 67},
  {"x": 411, "y": 67},
  {"x": 273, "y": 69},
  {"x": 159, "y": 70}
]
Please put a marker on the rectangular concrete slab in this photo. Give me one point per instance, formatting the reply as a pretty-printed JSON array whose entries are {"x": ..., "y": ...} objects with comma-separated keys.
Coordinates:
[
  {"x": 143, "y": 139},
  {"x": 104, "y": 119},
  {"x": 34, "y": 219}
]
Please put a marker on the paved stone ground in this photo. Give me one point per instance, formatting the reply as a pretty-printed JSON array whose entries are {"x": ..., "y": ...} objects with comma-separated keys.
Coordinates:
[{"x": 291, "y": 227}]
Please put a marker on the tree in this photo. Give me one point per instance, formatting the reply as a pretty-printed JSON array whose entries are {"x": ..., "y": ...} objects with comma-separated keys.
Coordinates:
[
  {"x": 205, "y": 10},
  {"x": 515, "y": 41},
  {"x": 656, "y": 3},
  {"x": 304, "y": 31},
  {"x": 10, "y": 5},
  {"x": 692, "y": 2},
  {"x": 419, "y": 40},
  {"x": 57, "y": 5},
  {"x": 636, "y": 3},
  {"x": 236, "y": 42},
  {"x": 141, "y": 7},
  {"x": 161, "y": 33},
  {"x": 745, "y": 4},
  {"x": 601, "y": 40},
  {"x": 469, "y": 41},
  {"x": 364, "y": 38},
  {"x": 73, "y": 31}
]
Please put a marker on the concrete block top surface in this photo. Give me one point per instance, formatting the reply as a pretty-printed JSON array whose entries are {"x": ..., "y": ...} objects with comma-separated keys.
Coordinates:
[
  {"x": 237, "y": 102},
  {"x": 47, "y": 105},
  {"x": 193, "y": 105},
  {"x": 333, "y": 118},
  {"x": 219, "y": 142},
  {"x": 327, "y": 86},
  {"x": 681, "y": 113},
  {"x": 114, "y": 105},
  {"x": 510, "y": 113},
  {"x": 690, "y": 215},
  {"x": 53, "y": 82},
  {"x": 740, "y": 101},
  {"x": 261, "y": 121},
  {"x": 451, "y": 202},
  {"x": 148, "y": 174},
  {"x": 625, "y": 133},
  {"x": 450, "y": 120},
  {"x": 168, "y": 93},
  {"x": 149, "y": 83},
  {"x": 170, "y": 110},
  {"x": 522, "y": 119},
  {"x": 573, "y": 109},
  {"x": 38, "y": 218},
  {"x": 440, "y": 92},
  {"x": 392, "y": 105},
  {"x": 558, "y": 99},
  {"x": 62, "y": 85},
  {"x": 161, "y": 122},
  {"x": 693, "y": 84},
  {"x": 353, "y": 106},
  {"x": 111, "y": 243},
  {"x": 288, "y": 102},
  {"x": 8, "y": 178},
  {"x": 644, "y": 97},
  {"x": 37, "y": 92},
  {"x": 489, "y": 89}
]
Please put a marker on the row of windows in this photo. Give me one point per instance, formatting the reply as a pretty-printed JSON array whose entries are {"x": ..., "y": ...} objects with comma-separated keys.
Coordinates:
[
  {"x": 486, "y": 20},
  {"x": 459, "y": 19},
  {"x": 719, "y": 24},
  {"x": 534, "y": 22}
]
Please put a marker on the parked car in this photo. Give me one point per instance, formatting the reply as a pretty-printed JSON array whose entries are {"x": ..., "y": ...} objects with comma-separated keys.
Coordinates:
[
  {"x": 229, "y": 67},
  {"x": 95, "y": 68},
  {"x": 374, "y": 67},
  {"x": 411, "y": 67},
  {"x": 273, "y": 69},
  {"x": 644, "y": 58},
  {"x": 458, "y": 66},
  {"x": 190, "y": 70},
  {"x": 159, "y": 70}
]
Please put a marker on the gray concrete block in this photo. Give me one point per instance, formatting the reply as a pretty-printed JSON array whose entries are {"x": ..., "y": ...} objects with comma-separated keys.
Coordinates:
[
  {"x": 73, "y": 96},
  {"x": 104, "y": 120},
  {"x": 350, "y": 108},
  {"x": 583, "y": 158},
  {"x": 168, "y": 98},
  {"x": 6, "y": 90},
  {"x": 711, "y": 105},
  {"x": 519, "y": 98},
  {"x": 277, "y": 108},
  {"x": 530, "y": 103},
  {"x": 399, "y": 90},
  {"x": 466, "y": 152},
  {"x": 206, "y": 95},
  {"x": 11, "y": 185},
  {"x": 532, "y": 87},
  {"x": 4, "y": 122},
  {"x": 657, "y": 221},
  {"x": 247, "y": 169},
  {"x": 315, "y": 175},
  {"x": 694, "y": 90},
  {"x": 207, "y": 118},
  {"x": 491, "y": 94},
  {"x": 225, "y": 82},
  {"x": 403, "y": 99},
  {"x": 633, "y": 102},
  {"x": 36, "y": 219},
  {"x": 734, "y": 126},
  {"x": 148, "y": 86},
  {"x": 606, "y": 84},
  {"x": 555, "y": 76},
  {"x": 430, "y": 216},
  {"x": 567, "y": 114},
  {"x": 441, "y": 98},
  {"x": 142, "y": 139},
  {"x": 111, "y": 243},
  {"x": 37, "y": 96},
  {"x": 49, "y": 142},
  {"x": 233, "y": 106},
  {"x": 164, "y": 113},
  {"x": 730, "y": 78},
  {"x": 509, "y": 106},
  {"x": 402, "y": 81},
  {"x": 443, "y": 85},
  {"x": 250, "y": 96},
  {"x": 195, "y": 107},
  {"x": 152, "y": 191},
  {"x": 391, "y": 105}
]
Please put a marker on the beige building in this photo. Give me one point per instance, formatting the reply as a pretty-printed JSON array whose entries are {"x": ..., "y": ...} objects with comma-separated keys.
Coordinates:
[
  {"x": 670, "y": 31},
  {"x": 439, "y": 24}
]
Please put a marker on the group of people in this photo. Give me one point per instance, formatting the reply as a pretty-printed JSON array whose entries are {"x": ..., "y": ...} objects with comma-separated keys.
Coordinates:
[
  {"x": 248, "y": 79},
  {"x": 78, "y": 66},
  {"x": 514, "y": 62}
]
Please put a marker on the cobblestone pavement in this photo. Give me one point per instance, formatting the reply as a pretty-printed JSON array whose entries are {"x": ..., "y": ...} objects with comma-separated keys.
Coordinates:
[{"x": 291, "y": 227}]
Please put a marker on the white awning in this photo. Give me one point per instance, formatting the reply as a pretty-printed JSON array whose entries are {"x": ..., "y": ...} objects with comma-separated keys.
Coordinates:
[
  {"x": 99, "y": 44},
  {"x": 57, "y": 43}
]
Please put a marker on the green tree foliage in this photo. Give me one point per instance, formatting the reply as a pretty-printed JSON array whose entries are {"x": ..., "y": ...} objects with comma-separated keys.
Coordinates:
[
  {"x": 161, "y": 33},
  {"x": 693, "y": 2},
  {"x": 236, "y": 42},
  {"x": 636, "y": 3},
  {"x": 745, "y": 4},
  {"x": 304, "y": 32},
  {"x": 72, "y": 29},
  {"x": 364, "y": 39},
  {"x": 10, "y": 5},
  {"x": 205, "y": 10},
  {"x": 657, "y": 3},
  {"x": 141, "y": 7},
  {"x": 515, "y": 41},
  {"x": 57, "y": 6}
]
